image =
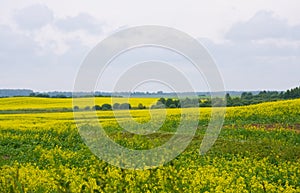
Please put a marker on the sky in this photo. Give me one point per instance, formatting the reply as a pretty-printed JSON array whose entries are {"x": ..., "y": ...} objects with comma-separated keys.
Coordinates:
[{"x": 255, "y": 44}]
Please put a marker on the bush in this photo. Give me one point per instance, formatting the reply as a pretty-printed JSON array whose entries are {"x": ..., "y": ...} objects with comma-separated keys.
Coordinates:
[
  {"x": 141, "y": 106},
  {"x": 116, "y": 106},
  {"x": 97, "y": 107},
  {"x": 87, "y": 108},
  {"x": 106, "y": 107},
  {"x": 158, "y": 106},
  {"x": 125, "y": 106},
  {"x": 172, "y": 106}
]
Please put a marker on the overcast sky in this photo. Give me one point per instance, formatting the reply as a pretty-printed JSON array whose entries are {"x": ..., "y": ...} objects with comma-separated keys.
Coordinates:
[{"x": 256, "y": 44}]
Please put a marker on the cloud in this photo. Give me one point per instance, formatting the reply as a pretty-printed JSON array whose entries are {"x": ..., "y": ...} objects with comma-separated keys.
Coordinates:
[
  {"x": 82, "y": 21},
  {"x": 295, "y": 32},
  {"x": 263, "y": 25},
  {"x": 15, "y": 47},
  {"x": 262, "y": 36},
  {"x": 261, "y": 53},
  {"x": 26, "y": 64},
  {"x": 33, "y": 17},
  {"x": 256, "y": 66}
]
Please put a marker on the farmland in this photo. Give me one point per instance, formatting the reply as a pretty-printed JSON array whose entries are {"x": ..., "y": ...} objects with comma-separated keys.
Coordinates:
[{"x": 258, "y": 150}]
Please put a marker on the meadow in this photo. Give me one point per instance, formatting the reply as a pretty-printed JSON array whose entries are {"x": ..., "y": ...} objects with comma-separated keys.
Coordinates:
[{"x": 258, "y": 150}]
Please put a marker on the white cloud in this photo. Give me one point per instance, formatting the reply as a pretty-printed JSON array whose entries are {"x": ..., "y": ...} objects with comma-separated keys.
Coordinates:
[
  {"x": 263, "y": 25},
  {"x": 15, "y": 47},
  {"x": 82, "y": 21},
  {"x": 33, "y": 17},
  {"x": 25, "y": 63},
  {"x": 260, "y": 53}
]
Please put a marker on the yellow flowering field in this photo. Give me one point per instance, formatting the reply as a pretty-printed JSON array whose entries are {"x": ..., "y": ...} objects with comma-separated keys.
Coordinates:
[
  {"x": 258, "y": 150},
  {"x": 20, "y": 103}
]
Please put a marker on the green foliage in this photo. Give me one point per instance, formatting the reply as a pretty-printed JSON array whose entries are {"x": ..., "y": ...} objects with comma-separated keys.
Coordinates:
[
  {"x": 87, "y": 108},
  {"x": 116, "y": 106},
  {"x": 106, "y": 106},
  {"x": 125, "y": 106},
  {"x": 97, "y": 107},
  {"x": 247, "y": 98},
  {"x": 292, "y": 93},
  {"x": 141, "y": 106},
  {"x": 42, "y": 95}
]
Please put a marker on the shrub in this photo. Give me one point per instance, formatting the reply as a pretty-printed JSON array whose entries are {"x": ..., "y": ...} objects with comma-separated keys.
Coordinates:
[
  {"x": 116, "y": 106},
  {"x": 125, "y": 106},
  {"x": 97, "y": 107},
  {"x": 87, "y": 108},
  {"x": 141, "y": 106},
  {"x": 172, "y": 106},
  {"x": 106, "y": 107}
]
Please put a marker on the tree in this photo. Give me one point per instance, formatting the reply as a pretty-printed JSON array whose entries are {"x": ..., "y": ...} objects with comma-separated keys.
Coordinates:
[
  {"x": 177, "y": 103},
  {"x": 168, "y": 102},
  {"x": 218, "y": 102},
  {"x": 161, "y": 101},
  {"x": 87, "y": 108},
  {"x": 236, "y": 101},
  {"x": 185, "y": 103},
  {"x": 125, "y": 106},
  {"x": 141, "y": 106},
  {"x": 205, "y": 103},
  {"x": 97, "y": 107},
  {"x": 42, "y": 95},
  {"x": 159, "y": 105},
  {"x": 247, "y": 95},
  {"x": 106, "y": 107},
  {"x": 116, "y": 106},
  {"x": 228, "y": 100},
  {"x": 292, "y": 93},
  {"x": 75, "y": 108},
  {"x": 172, "y": 106},
  {"x": 59, "y": 96}
]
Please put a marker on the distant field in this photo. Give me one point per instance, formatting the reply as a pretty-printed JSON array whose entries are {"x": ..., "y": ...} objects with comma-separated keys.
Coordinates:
[
  {"x": 258, "y": 150},
  {"x": 18, "y": 103}
]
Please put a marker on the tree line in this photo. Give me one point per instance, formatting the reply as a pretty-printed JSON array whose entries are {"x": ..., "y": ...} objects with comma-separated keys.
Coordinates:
[
  {"x": 247, "y": 98},
  {"x": 115, "y": 106}
]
